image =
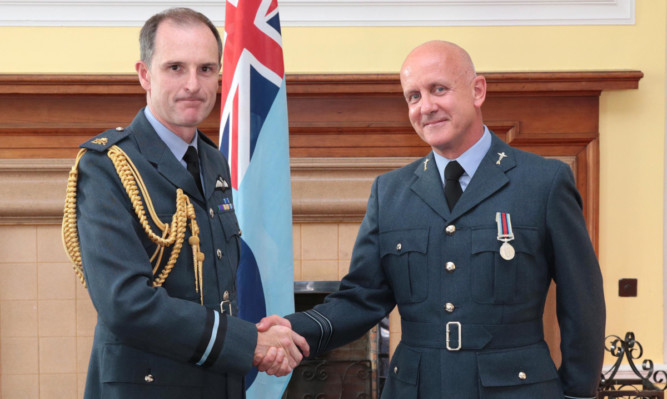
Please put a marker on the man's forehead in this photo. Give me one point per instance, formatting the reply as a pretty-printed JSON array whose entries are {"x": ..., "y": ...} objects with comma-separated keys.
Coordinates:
[
  {"x": 430, "y": 73},
  {"x": 173, "y": 46},
  {"x": 170, "y": 28}
]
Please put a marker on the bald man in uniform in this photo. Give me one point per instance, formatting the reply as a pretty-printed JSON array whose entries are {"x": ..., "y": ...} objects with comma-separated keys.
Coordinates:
[{"x": 466, "y": 242}]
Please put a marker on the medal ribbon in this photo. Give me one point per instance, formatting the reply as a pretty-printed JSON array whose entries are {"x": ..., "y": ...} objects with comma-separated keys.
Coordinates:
[{"x": 504, "y": 223}]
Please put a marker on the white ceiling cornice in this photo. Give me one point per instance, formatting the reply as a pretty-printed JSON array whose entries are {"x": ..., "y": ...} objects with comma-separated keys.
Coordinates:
[{"x": 333, "y": 12}]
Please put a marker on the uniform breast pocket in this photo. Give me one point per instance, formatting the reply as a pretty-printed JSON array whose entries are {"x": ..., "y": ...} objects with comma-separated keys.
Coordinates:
[
  {"x": 501, "y": 281},
  {"x": 230, "y": 224},
  {"x": 232, "y": 232},
  {"x": 404, "y": 258},
  {"x": 226, "y": 215}
]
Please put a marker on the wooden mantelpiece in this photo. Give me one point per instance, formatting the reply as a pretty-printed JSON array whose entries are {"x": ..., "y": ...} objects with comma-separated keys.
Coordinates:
[
  {"x": 344, "y": 130},
  {"x": 330, "y": 115}
]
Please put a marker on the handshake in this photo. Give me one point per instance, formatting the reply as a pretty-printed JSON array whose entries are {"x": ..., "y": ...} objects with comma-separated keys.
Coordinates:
[{"x": 279, "y": 349}]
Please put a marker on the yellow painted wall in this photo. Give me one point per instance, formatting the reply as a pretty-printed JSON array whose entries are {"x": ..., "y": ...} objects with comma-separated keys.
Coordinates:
[{"x": 632, "y": 123}]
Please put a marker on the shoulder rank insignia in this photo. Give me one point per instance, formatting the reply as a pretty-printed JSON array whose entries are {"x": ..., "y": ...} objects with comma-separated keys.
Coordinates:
[
  {"x": 100, "y": 141},
  {"x": 106, "y": 139}
]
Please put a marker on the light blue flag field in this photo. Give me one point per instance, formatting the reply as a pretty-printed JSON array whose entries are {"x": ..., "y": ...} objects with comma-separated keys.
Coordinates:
[{"x": 254, "y": 137}]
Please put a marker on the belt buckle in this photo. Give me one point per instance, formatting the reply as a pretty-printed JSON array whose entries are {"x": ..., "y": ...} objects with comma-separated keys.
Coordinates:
[
  {"x": 226, "y": 302},
  {"x": 449, "y": 348},
  {"x": 226, "y": 306}
]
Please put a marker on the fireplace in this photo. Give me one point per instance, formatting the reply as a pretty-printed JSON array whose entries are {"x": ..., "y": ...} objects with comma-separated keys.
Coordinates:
[{"x": 353, "y": 371}]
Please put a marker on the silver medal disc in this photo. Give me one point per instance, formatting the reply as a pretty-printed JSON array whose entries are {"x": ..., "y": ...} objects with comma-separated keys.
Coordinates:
[{"x": 507, "y": 251}]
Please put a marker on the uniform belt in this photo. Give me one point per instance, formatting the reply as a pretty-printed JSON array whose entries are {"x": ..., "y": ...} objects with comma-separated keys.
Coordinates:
[{"x": 456, "y": 335}]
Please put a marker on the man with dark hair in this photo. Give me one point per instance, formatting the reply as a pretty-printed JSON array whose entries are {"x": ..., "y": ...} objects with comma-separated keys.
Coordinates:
[
  {"x": 179, "y": 16},
  {"x": 150, "y": 224},
  {"x": 466, "y": 241}
]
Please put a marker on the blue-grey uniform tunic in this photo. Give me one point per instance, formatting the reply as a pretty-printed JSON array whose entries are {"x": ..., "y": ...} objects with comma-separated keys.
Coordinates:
[
  {"x": 160, "y": 342},
  {"x": 471, "y": 320}
]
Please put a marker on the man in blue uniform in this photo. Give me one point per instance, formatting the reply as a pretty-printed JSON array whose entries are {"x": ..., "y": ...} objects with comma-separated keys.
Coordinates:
[
  {"x": 466, "y": 242},
  {"x": 151, "y": 207}
]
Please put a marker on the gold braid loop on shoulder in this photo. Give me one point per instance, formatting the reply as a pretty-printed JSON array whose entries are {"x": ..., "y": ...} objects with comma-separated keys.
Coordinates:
[
  {"x": 171, "y": 234},
  {"x": 69, "y": 231}
]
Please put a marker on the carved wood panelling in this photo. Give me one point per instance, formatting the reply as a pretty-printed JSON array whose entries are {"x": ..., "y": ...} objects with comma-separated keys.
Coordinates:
[{"x": 344, "y": 129}]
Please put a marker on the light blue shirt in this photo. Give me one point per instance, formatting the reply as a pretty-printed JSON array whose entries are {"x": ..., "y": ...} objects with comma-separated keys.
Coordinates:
[
  {"x": 176, "y": 145},
  {"x": 469, "y": 160}
]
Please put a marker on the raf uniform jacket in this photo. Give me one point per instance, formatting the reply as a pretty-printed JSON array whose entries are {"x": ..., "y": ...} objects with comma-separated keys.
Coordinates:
[
  {"x": 471, "y": 320},
  {"x": 160, "y": 342}
]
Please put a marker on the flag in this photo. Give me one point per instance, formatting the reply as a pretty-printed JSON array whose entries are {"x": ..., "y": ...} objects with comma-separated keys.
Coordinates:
[{"x": 254, "y": 138}]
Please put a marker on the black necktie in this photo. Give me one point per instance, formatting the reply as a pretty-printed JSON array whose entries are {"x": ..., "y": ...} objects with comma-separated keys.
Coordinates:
[
  {"x": 453, "y": 172},
  {"x": 192, "y": 161}
]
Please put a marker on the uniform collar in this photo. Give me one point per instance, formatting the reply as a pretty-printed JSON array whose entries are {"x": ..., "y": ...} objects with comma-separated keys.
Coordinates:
[
  {"x": 469, "y": 160},
  {"x": 176, "y": 145}
]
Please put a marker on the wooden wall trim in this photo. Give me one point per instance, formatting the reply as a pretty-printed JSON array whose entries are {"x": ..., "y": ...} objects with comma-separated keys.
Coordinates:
[
  {"x": 336, "y": 189},
  {"x": 498, "y": 82},
  {"x": 34, "y": 189},
  {"x": 344, "y": 129}
]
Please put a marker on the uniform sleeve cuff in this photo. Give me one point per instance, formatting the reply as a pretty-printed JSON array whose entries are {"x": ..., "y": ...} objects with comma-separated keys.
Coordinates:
[
  {"x": 239, "y": 346},
  {"x": 228, "y": 344},
  {"x": 315, "y": 327},
  {"x": 210, "y": 344}
]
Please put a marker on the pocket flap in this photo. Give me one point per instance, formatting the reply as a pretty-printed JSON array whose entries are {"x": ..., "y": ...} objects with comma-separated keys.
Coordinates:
[
  {"x": 486, "y": 240},
  {"x": 397, "y": 242},
  {"x": 526, "y": 365},
  {"x": 128, "y": 365},
  {"x": 230, "y": 224},
  {"x": 405, "y": 365}
]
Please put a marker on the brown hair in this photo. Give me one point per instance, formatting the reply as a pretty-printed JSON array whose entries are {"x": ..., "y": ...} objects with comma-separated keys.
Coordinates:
[{"x": 181, "y": 16}]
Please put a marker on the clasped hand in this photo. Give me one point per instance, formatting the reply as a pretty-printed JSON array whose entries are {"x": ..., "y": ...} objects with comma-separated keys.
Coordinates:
[{"x": 277, "y": 352}]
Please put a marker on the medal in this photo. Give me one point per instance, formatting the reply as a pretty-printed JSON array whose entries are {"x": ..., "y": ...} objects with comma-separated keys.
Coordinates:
[
  {"x": 507, "y": 251},
  {"x": 505, "y": 234}
]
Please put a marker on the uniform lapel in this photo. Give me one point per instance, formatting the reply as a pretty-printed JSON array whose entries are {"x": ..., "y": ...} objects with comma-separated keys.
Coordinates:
[
  {"x": 489, "y": 177},
  {"x": 157, "y": 153},
  {"x": 428, "y": 186},
  {"x": 210, "y": 170}
]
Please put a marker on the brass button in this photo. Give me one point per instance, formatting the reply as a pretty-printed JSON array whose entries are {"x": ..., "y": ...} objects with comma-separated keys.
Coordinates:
[
  {"x": 522, "y": 375},
  {"x": 149, "y": 378},
  {"x": 399, "y": 246},
  {"x": 450, "y": 230},
  {"x": 450, "y": 266},
  {"x": 449, "y": 307},
  {"x": 219, "y": 253},
  {"x": 211, "y": 212},
  {"x": 120, "y": 129}
]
